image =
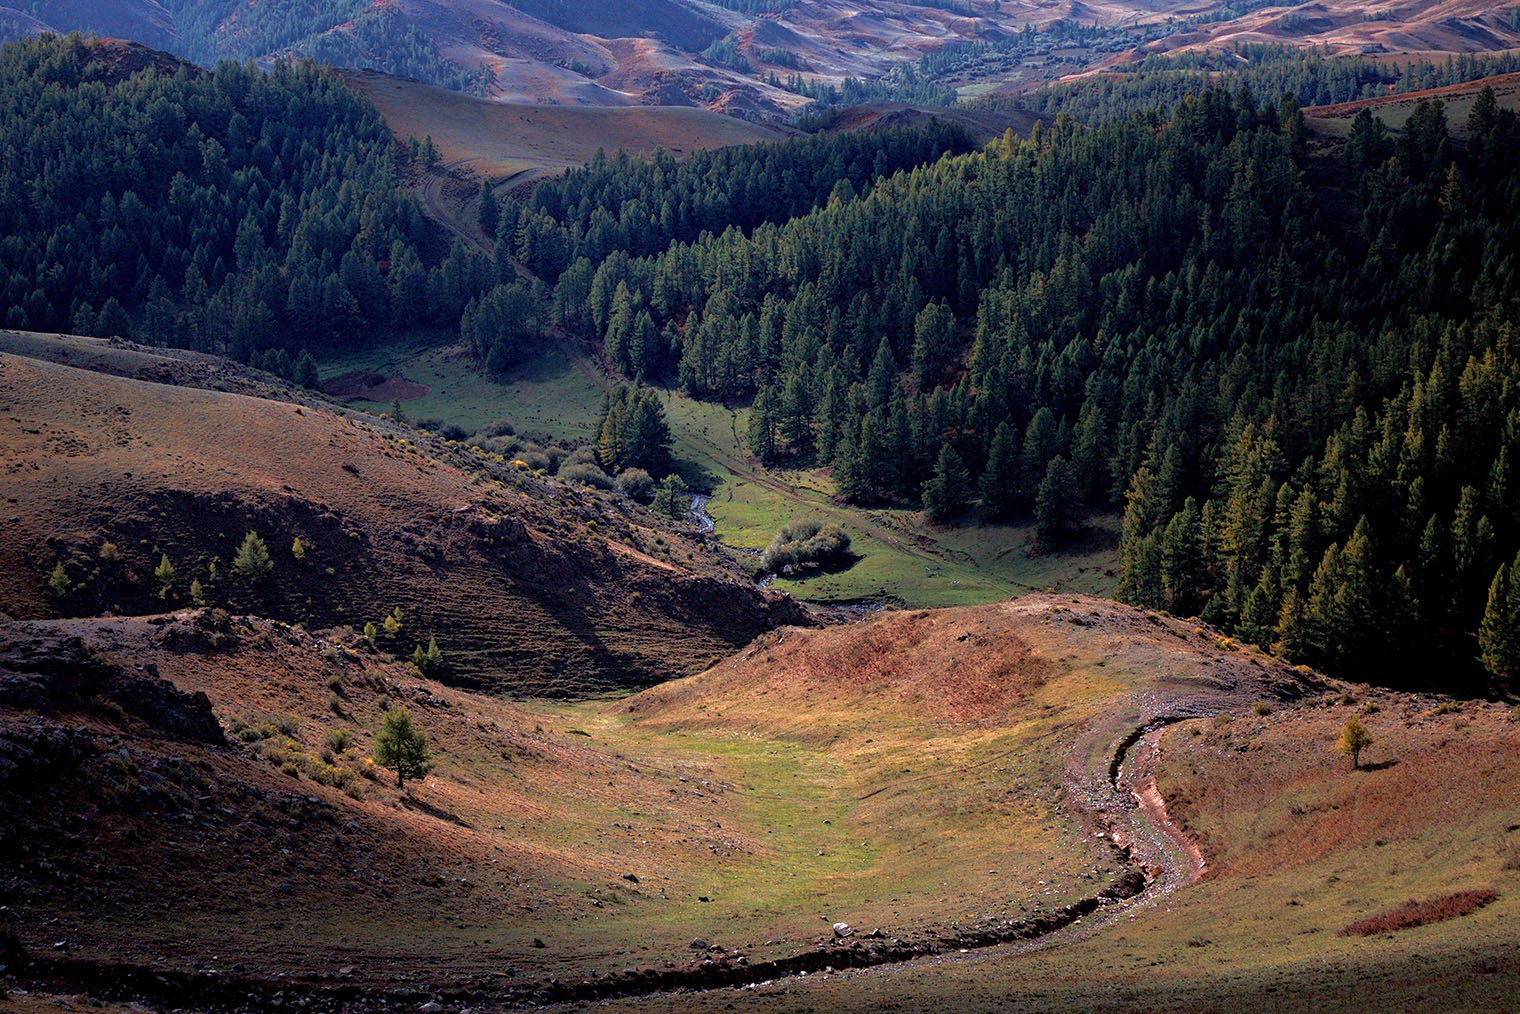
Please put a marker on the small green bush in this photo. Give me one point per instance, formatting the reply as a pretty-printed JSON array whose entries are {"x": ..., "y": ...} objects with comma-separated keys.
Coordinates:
[
  {"x": 636, "y": 484},
  {"x": 586, "y": 474},
  {"x": 804, "y": 542}
]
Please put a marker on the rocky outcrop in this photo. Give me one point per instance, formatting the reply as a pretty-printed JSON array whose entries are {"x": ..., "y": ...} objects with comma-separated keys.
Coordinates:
[{"x": 54, "y": 675}]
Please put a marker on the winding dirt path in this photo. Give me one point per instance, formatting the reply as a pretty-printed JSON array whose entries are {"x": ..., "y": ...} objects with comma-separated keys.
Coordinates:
[{"x": 437, "y": 207}]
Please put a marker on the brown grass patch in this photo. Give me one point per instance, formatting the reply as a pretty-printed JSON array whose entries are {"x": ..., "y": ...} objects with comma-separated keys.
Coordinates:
[
  {"x": 367, "y": 385},
  {"x": 1421, "y": 913}
]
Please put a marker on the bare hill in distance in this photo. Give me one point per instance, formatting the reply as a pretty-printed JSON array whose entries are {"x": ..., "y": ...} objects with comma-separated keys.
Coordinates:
[{"x": 739, "y": 58}]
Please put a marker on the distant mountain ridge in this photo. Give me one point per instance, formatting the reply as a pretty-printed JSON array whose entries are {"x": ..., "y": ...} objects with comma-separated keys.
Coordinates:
[{"x": 754, "y": 59}]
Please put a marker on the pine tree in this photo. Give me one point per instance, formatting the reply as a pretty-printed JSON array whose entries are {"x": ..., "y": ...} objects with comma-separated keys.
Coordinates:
[
  {"x": 1056, "y": 502},
  {"x": 849, "y": 466},
  {"x": 306, "y": 371},
  {"x": 999, "y": 483},
  {"x": 197, "y": 594},
  {"x": 761, "y": 433},
  {"x": 401, "y": 747},
  {"x": 370, "y": 632},
  {"x": 1354, "y": 739},
  {"x": 1499, "y": 633},
  {"x": 796, "y": 414},
  {"x": 1258, "y": 618},
  {"x": 667, "y": 497},
  {"x": 489, "y": 216},
  {"x": 165, "y": 574},
  {"x": 1292, "y": 635},
  {"x": 252, "y": 562},
  {"x": 933, "y": 343},
  {"x": 946, "y": 493},
  {"x": 59, "y": 583},
  {"x": 883, "y": 376},
  {"x": 297, "y": 549},
  {"x": 1040, "y": 445},
  {"x": 1182, "y": 577}
]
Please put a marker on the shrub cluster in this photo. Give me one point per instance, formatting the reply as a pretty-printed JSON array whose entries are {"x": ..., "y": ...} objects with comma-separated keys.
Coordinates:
[
  {"x": 1421, "y": 913},
  {"x": 803, "y": 542}
]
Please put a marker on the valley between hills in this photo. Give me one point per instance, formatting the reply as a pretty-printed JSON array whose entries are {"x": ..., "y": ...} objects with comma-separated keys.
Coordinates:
[
  {"x": 766, "y": 505},
  {"x": 970, "y": 794}
]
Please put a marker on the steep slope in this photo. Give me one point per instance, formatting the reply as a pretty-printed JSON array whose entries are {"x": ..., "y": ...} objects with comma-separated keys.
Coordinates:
[{"x": 526, "y": 584}]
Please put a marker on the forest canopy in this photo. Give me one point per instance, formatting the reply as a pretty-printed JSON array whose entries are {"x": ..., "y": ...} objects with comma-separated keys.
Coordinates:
[
  {"x": 1307, "y": 412},
  {"x": 229, "y": 211}
]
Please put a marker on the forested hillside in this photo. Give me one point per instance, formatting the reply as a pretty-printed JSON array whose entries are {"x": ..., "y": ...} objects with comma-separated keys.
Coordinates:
[
  {"x": 231, "y": 211},
  {"x": 625, "y": 206},
  {"x": 1263, "y": 69},
  {"x": 1309, "y": 413}
]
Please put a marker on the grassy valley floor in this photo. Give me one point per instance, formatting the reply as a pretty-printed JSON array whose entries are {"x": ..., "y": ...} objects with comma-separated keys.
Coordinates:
[{"x": 902, "y": 558}]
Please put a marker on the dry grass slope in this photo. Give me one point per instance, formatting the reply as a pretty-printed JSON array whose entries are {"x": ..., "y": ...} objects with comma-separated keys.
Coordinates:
[{"x": 526, "y": 584}]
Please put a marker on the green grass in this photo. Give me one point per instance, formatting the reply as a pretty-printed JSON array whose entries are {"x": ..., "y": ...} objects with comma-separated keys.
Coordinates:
[
  {"x": 547, "y": 398},
  {"x": 901, "y": 558}
]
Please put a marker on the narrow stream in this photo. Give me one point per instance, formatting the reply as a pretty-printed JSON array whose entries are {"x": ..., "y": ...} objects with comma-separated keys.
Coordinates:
[{"x": 706, "y": 525}]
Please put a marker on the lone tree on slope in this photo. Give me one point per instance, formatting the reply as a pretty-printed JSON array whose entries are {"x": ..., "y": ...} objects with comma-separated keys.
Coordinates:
[
  {"x": 1354, "y": 739},
  {"x": 401, "y": 747},
  {"x": 252, "y": 561}
]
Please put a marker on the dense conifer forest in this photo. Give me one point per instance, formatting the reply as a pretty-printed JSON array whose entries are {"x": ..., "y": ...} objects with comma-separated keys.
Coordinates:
[
  {"x": 233, "y": 211},
  {"x": 1265, "y": 69},
  {"x": 1307, "y": 410},
  {"x": 1303, "y": 399}
]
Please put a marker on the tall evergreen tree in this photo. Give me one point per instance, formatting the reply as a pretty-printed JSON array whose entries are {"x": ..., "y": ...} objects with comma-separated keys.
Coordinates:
[
  {"x": 945, "y": 494},
  {"x": 999, "y": 482},
  {"x": 1499, "y": 633},
  {"x": 489, "y": 214},
  {"x": 1055, "y": 508}
]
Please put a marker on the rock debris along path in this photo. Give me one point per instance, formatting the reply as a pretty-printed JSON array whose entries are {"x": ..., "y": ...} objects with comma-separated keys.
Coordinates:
[{"x": 1158, "y": 858}]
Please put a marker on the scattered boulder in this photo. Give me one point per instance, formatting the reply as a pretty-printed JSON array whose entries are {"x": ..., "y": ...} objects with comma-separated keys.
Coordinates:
[{"x": 842, "y": 929}]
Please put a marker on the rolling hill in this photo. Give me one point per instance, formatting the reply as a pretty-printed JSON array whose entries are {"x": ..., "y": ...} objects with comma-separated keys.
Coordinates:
[
  {"x": 507, "y": 139},
  {"x": 761, "y": 61},
  {"x": 528, "y": 584},
  {"x": 1059, "y": 799}
]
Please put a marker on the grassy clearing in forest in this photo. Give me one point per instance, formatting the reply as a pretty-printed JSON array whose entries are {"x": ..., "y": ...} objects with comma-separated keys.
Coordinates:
[{"x": 900, "y": 557}]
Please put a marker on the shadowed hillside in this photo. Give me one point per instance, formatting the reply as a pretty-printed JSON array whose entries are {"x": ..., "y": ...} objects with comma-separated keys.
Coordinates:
[{"x": 525, "y": 583}]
